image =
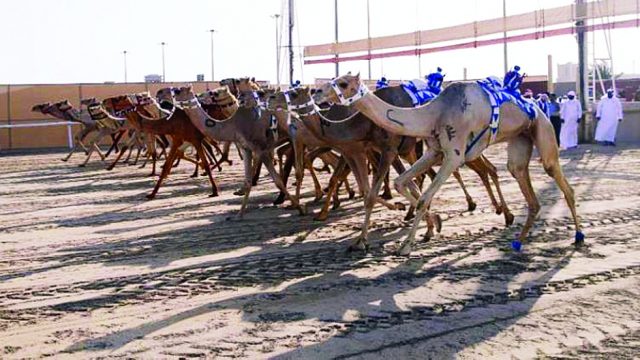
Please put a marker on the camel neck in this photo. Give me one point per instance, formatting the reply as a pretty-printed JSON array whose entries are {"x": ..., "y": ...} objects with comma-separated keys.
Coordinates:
[
  {"x": 158, "y": 127},
  {"x": 215, "y": 129},
  {"x": 415, "y": 122}
]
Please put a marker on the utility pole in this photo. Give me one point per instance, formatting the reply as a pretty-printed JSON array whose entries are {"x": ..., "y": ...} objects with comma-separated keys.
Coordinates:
[
  {"x": 276, "y": 16},
  {"x": 125, "y": 65},
  {"x": 369, "y": 39},
  {"x": 504, "y": 35},
  {"x": 581, "y": 12},
  {"x": 164, "y": 79},
  {"x": 213, "y": 78},
  {"x": 291, "y": 42},
  {"x": 335, "y": 4}
]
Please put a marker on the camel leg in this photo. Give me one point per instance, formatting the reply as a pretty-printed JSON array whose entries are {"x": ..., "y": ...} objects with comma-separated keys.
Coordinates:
[
  {"x": 249, "y": 170},
  {"x": 92, "y": 148},
  {"x": 75, "y": 148},
  {"x": 341, "y": 170},
  {"x": 195, "y": 171},
  {"x": 430, "y": 158},
  {"x": 471, "y": 205},
  {"x": 381, "y": 173},
  {"x": 298, "y": 154},
  {"x": 224, "y": 157},
  {"x": 485, "y": 169},
  {"x": 100, "y": 154},
  {"x": 519, "y": 152},
  {"x": 166, "y": 169},
  {"x": 286, "y": 172},
  {"x": 316, "y": 183},
  {"x": 548, "y": 150},
  {"x": 115, "y": 138},
  {"x": 205, "y": 165},
  {"x": 267, "y": 160}
]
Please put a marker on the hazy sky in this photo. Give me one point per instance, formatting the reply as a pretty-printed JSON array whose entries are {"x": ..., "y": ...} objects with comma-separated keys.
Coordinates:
[{"x": 68, "y": 41}]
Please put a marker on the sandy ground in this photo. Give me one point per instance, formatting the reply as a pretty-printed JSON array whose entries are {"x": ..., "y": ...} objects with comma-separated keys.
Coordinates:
[{"x": 90, "y": 268}]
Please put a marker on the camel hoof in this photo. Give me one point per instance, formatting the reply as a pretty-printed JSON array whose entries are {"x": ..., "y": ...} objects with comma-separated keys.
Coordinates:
[
  {"x": 428, "y": 235},
  {"x": 516, "y": 245},
  {"x": 65, "y": 160},
  {"x": 279, "y": 200},
  {"x": 579, "y": 242},
  {"x": 321, "y": 217},
  {"x": 302, "y": 210},
  {"x": 404, "y": 250},
  {"x": 386, "y": 196},
  {"x": 438, "y": 223},
  {"x": 82, "y": 165},
  {"x": 508, "y": 218},
  {"x": 239, "y": 192},
  {"x": 214, "y": 194},
  {"x": 352, "y": 194},
  {"x": 150, "y": 196},
  {"x": 336, "y": 205},
  {"x": 498, "y": 210},
  {"x": 359, "y": 245},
  {"x": 109, "y": 168},
  {"x": 400, "y": 206},
  {"x": 317, "y": 198},
  {"x": 471, "y": 206}
]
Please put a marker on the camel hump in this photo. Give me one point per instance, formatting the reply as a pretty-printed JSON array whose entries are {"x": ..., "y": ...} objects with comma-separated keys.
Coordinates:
[{"x": 453, "y": 95}]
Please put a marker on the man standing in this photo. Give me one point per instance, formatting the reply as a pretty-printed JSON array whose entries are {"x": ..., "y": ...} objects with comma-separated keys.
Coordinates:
[
  {"x": 609, "y": 114},
  {"x": 554, "y": 109},
  {"x": 570, "y": 113}
]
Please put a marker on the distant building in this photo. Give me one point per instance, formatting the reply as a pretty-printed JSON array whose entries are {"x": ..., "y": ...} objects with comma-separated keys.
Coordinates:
[
  {"x": 152, "y": 78},
  {"x": 200, "y": 77},
  {"x": 567, "y": 72}
]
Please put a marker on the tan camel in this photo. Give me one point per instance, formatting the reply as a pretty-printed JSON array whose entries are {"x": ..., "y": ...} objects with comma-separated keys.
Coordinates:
[
  {"x": 82, "y": 117},
  {"x": 251, "y": 128},
  {"x": 455, "y": 127}
]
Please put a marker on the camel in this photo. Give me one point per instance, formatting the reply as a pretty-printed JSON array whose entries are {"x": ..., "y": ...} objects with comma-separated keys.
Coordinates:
[
  {"x": 140, "y": 109},
  {"x": 249, "y": 127},
  {"x": 260, "y": 98},
  {"x": 353, "y": 136},
  {"x": 70, "y": 114},
  {"x": 455, "y": 126}
]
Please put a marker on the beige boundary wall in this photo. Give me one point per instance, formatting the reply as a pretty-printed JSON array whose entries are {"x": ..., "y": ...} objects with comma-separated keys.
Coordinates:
[{"x": 16, "y": 102}]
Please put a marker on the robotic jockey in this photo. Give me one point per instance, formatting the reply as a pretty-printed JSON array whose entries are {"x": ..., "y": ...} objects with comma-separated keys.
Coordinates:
[
  {"x": 434, "y": 81},
  {"x": 382, "y": 83}
]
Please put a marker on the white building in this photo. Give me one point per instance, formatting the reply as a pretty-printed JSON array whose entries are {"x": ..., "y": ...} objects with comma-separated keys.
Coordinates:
[
  {"x": 567, "y": 72},
  {"x": 153, "y": 78}
]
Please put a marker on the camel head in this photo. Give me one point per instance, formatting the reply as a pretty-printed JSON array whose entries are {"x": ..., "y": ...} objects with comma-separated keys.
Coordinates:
[
  {"x": 88, "y": 101},
  {"x": 165, "y": 97},
  {"x": 119, "y": 105},
  {"x": 43, "y": 108},
  {"x": 238, "y": 85},
  {"x": 255, "y": 98},
  {"x": 222, "y": 97},
  {"x": 184, "y": 96},
  {"x": 344, "y": 90},
  {"x": 296, "y": 99}
]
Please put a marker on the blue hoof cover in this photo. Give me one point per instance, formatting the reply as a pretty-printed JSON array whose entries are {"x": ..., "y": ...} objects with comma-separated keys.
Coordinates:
[
  {"x": 516, "y": 245},
  {"x": 579, "y": 237}
]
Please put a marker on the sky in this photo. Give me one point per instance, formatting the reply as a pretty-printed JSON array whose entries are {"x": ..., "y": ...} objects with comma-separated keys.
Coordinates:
[{"x": 72, "y": 41}]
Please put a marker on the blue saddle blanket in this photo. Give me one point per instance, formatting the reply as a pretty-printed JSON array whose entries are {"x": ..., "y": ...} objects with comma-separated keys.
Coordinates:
[
  {"x": 498, "y": 95},
  {"x": 419, "y": 91}
]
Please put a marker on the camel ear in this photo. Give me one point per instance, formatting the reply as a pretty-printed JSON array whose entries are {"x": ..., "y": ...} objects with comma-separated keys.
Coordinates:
[
  {"x": 253, "y": 79},
  {"x": 358, "y": 75}
]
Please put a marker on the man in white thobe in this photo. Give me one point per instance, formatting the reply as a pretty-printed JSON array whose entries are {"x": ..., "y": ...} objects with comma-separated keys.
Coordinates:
[
  {"x": 570, "y": 113},
  {"x": 609, "y": 114}
]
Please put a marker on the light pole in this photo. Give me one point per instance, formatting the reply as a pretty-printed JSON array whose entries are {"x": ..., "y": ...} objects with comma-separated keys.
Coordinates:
[
  {"x": 369, "y": 39},
  {"x": 504, "y": 35},
  {"x": 276, "y": 16},
  {"x": 212, "y": 69},
  {"x": 124, "y": 53},
  {"x": 164, "y": 79}
]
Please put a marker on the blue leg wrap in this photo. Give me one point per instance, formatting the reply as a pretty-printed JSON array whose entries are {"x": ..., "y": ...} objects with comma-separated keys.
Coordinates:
[
  {"x": 579, "y": 237},
  {"x": 516, "y": 245}
]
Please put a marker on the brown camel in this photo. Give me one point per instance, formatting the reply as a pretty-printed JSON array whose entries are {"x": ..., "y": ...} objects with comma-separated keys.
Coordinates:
[
  {"x": 455, "y": 127},
  {"x": 251, "y": 128},
  {"x": 139, "y": 109}
]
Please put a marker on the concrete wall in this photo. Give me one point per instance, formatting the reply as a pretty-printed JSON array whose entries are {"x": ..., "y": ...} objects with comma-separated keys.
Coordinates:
[{"x": 629, "y": 129}]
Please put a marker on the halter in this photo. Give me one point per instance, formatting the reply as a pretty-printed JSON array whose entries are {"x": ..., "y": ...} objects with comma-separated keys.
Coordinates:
[
  {"x": 362, "y": 91},
  {"x": 188, "y": 104},
  {"x": 292, "y": 107}
]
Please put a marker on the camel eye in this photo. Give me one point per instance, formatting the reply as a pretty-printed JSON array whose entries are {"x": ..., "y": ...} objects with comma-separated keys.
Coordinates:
[{"x": 343, "y": 85}]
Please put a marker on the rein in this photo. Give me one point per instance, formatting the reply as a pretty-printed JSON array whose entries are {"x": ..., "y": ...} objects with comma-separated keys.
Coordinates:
[
  {"x": 195, "y": 104},
  {"x": 362, "y": 91}
]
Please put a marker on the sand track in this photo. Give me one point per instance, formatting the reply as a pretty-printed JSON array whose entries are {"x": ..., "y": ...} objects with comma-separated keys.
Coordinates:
[{"x": 89, "y": 268}]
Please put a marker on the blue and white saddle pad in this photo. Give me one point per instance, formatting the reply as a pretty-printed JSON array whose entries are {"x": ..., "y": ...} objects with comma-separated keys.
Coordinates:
[
  {"x": 499, "y": 95},
  {"x": 419, "y": 91}
]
